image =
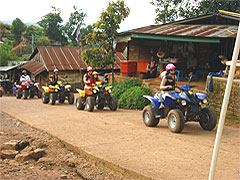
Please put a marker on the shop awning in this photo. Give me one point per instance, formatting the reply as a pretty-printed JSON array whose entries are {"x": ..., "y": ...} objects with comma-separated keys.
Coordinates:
[{"x": 171, "y": 38}]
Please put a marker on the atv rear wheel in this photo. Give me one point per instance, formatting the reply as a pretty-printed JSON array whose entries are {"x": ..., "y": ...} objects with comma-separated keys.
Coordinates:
[
  {"x": 45, "y": 98},
  {"x": 149, "y": 118},
  {"x": 90, "y": 104},
  {"x": 209, "y": 119},
  {"x": 80, "y": 103},
  {"x": 175, "y": 121},
  {"x": 113, "y": 103},
  {"x": 25, "y": 94},
  {"x": 32, "y": 93},
  {"x": 53, "y": 98},
  {"x": 18, "y": 94},
  {"x": 70, "y": 98}
]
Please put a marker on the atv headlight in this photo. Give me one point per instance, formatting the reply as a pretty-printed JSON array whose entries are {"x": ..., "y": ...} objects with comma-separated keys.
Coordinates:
[
  {"x": 109, "y": 91},
  {"x": 94, "y": 91},
  {"x": 204, "y": 101},
  {"x": 184, "y": 103},
  {"x": 56, "y": 90}
]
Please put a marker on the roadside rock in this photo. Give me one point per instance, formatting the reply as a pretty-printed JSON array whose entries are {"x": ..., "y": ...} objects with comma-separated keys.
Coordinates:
[
  {"x": 38, "y": 153},
  {"x": 23, "y": 156},
  {"x": 21, "y": 145},
  {"x": 28, "y": 149},
  {"x": 11, "y": 145},
  {"x": 8, "y": 154}
]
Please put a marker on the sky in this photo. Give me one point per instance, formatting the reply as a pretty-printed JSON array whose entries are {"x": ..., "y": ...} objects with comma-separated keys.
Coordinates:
[{"x": 142, "y": 13}]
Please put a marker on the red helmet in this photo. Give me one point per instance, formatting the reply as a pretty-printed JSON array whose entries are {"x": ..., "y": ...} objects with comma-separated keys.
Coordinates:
[
  {"x": 170, "y": 66},
  {"x": 89, "y": 68}
]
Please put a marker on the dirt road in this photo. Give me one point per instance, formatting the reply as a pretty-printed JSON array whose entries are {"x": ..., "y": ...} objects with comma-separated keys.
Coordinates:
[{"x": 122, "y": 138}]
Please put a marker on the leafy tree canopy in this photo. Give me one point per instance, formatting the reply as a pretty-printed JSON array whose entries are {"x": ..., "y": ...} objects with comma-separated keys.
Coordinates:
[
  {"x": 51, "y": 23},
  {"x": 171, "y": 10},
  {"x": 18, "y": 27},
  {"x": 104, "y": 33},
  {"x": 77, "y": 16}
]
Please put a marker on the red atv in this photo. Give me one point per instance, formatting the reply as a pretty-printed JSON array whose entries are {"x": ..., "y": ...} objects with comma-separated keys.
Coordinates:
[{"x": 28, "y": 89}]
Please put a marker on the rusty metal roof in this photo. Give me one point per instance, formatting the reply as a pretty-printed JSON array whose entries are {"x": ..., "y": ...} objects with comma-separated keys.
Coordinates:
[
  {"x": 62, "y": 58},
  {"x": 33, "y": 67},
  {"x": 216, "y": 31}
]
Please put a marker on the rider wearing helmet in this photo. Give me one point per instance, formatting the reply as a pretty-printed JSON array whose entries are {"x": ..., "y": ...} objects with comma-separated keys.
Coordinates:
[
  {"x": 88, "y": 77},
  {"x": 54, "y": 78},
  {"x": 168, "y": 82},
  {"x": 24, "y": 77},
  {"x": 95, "y": 77}
]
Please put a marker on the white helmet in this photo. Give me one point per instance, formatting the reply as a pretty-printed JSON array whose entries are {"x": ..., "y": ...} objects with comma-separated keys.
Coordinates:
[{"x": 55, "y": 70}]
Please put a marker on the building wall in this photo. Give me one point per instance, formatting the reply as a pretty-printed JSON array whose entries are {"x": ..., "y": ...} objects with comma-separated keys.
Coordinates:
[
  {"x": 216, "y": 97},
  {"x": 74, "y": 78}
]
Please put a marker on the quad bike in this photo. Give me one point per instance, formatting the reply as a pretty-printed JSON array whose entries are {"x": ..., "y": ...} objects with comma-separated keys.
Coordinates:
[
  {"x": 34, "y": 90},
  {"x": 58, "y": 92},
  {"x": 28, "y": 89},
  {"x": 23, "y": 90},
  {"x": 97, "y": 95},
  {"x": 180, "y": 107}
]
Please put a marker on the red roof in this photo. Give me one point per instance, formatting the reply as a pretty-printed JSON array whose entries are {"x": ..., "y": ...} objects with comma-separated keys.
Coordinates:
[
  {"x": 33, "y": 67},
  {"x": 62, "y": 58},
  {"x": 216, "y": 31}
]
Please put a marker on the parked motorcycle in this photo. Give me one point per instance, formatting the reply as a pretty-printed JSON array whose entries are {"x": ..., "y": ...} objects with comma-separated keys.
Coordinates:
[
  {"x": 58, "y": 92},
  {"x": 99, "y": 96},
  {"x": 180, "y": 107}
]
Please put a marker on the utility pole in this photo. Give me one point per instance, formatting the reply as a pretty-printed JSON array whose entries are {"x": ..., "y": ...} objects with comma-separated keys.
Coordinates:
[{"x": 32, "y": 43}]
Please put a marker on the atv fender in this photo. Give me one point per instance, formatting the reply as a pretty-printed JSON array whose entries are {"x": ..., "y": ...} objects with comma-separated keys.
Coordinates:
[
  {"x": 46, "y": 89},
  {"x": 153, "y": 100},
  {"x": 81, "y": 92},
  {"x": 201, "y": 95}
]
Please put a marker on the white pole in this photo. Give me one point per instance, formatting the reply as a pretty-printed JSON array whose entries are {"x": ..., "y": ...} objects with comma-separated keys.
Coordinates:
[{"x": 225, "y": 105}]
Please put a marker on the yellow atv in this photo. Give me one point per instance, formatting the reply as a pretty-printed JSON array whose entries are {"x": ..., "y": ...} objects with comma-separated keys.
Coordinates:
[
  {"x": 58, "y": 92},
  {"x": 97, "y": 95}
]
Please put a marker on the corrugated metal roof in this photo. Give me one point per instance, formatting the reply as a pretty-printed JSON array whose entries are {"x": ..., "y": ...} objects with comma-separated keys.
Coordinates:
[
  {"x": 33, "y": 67},
  {"x": 8, "y": 68},
  {"x": 216, "y": 31},
  {"x": 62, "y": 58}
]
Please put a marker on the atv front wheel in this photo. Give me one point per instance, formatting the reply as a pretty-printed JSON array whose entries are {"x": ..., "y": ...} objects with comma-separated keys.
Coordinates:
[
  {"x": 175, "y": 121},
  {"x": 80, "y": 103},
  {"x": 113, "y": 103},
  {"x": 149, "y": 118},
  {"x": 90, "y": 104},
  {"x": 209, "y": 119},
  {"x": 45, "y": 98},
  {"x": 39, "y": 94},
  {"x": 18, "y": 94},
  {"x": 25, "y": 94},
  {"x": 53, "y": 98},
  {"x": 70, "y": 98}
]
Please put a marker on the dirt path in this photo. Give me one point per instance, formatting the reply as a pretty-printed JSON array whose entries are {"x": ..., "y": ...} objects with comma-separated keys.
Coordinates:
[{"x": 121, "y": 138}]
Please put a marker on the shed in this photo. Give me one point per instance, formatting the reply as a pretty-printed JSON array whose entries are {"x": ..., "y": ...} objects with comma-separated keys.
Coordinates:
[{"x": 206, "y": 36}]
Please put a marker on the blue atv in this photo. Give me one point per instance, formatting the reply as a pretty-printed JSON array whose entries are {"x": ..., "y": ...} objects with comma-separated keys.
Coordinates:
[{"x": 180, "y": 107}]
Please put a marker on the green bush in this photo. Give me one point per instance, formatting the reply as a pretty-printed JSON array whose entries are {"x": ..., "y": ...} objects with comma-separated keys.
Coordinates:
[
  {"x": 122, "y": 86},
  {"x": 133, "y": 98}
]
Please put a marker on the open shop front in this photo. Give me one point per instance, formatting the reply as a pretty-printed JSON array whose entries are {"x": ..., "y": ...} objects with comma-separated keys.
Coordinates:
[{"x": 197, "y": 55}]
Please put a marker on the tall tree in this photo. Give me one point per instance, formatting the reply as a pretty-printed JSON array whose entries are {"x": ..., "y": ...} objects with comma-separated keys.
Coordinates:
[
  {"x": 170, "y": 10},
  {"x": 51, "y": 23},
  {"x": 104, "y": 34},
  {"x": 17, "y": 28},
  {"x": 75, "y": 17}
]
